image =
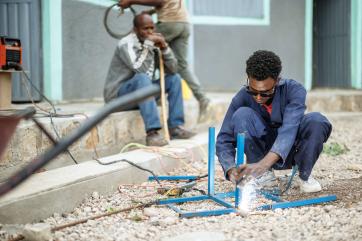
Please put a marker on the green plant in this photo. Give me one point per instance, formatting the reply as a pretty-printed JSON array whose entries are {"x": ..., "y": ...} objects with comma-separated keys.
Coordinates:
[
  {"x": 334, "y": 149},
  {"x": 110, "y": 209}
]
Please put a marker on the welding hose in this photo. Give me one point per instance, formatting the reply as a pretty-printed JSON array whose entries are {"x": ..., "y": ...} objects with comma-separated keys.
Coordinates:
[
  {"x": 105, "y": 21},
  {"x": 118, "y": 104}
]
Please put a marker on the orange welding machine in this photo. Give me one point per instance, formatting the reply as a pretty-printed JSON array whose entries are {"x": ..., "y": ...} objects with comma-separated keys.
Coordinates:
[{"x": 10, "y": 53}]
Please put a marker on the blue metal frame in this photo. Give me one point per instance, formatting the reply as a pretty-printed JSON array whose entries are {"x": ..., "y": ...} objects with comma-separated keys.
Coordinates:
[
  {"x": 239, "y": 161},
  {"x": 219, "y": 197},
  {"x": 172, "y": 178},
  {"x": 298, "y": 203}
]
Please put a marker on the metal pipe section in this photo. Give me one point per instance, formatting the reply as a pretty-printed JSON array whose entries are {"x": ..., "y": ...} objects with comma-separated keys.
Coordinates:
[
  {"x": 298, "y": 203},
  {"x": 118, "y": 104},
  {"x": 240, "y": 145},
  {"x": 173, "y": 178},
  {"x": 211, "y": 162}
]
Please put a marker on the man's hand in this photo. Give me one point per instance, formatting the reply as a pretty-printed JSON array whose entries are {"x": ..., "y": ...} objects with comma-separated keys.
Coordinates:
[
  {"x": 234, "y": 175},
  {"x": 125, "y": 3},
  {"x": 254, "y": 170},
  {"x": 159, "y": 40}
]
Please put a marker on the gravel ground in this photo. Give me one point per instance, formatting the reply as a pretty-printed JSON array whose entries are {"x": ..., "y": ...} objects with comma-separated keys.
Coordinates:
[{"x": 339, "y": 220}]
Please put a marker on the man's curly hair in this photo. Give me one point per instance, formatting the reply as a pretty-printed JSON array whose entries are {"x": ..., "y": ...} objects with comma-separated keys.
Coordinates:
[{"x": 263, "y": 64}]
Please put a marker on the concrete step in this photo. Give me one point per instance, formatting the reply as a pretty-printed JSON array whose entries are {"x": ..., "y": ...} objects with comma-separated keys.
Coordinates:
[
  {"x": 331, "y": 100},
  {"x": 61, "y": 190},
  {"x": 108, "y": 138}
]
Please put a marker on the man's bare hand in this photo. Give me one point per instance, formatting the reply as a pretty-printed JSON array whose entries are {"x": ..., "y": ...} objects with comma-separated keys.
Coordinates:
[
  {"x": 124, "y": 3},
  {"x": 159, "y": 40},
  {"x": 234, "y": 175},
  {"x": 237, "y": 174},
  {"x": 254, "y": 170}
]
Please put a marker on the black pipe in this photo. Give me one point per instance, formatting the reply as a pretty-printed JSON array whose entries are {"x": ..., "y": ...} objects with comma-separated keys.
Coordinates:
[{"x": 119, "y": 104}]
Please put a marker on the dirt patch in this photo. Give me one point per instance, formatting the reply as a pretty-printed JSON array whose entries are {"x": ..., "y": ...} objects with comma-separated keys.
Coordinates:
[{"x": 348, "y": 191}]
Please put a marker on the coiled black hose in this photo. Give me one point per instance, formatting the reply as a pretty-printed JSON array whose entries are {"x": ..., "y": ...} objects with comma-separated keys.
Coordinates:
[{"x": 105, "y": 21}]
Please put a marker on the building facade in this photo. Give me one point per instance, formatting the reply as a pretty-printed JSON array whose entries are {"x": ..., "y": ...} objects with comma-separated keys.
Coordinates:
[{"x": 67, "y": 50}]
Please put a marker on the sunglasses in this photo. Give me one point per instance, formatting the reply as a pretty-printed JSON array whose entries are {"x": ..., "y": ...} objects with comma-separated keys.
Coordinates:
[{"x": 267, "y": 93}]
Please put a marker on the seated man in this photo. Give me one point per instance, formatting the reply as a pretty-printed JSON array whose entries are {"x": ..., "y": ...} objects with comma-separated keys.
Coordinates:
[
  {"x": 133, "y": 66},
  {"x": 270, "y": 111}
]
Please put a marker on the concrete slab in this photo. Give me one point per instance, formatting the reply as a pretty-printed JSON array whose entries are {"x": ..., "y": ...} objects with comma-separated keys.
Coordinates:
[
  {"x": 108, "y": 138},
  {"x": 60, "y": 190}
]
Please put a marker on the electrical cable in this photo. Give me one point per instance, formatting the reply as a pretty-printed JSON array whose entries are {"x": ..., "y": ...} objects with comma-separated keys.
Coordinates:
[
  {"x": 294, "y": 171},
  {"x": 50, "y": 114},
  {"x": 133, "y": 164}
]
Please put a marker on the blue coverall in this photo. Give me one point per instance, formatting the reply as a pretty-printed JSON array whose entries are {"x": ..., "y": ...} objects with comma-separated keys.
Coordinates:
[{"x": 296, "y": 137}]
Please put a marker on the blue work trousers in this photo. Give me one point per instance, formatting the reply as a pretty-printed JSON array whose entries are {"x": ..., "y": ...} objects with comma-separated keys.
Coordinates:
[
  {"x": 313, "y": 131},
  {"x": 148, "y": 108}
]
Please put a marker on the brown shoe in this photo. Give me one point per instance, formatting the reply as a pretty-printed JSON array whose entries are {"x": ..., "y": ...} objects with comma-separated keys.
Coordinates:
[
  {"x": 153, "y": 138},
  {"x": 180, "y": 133}
]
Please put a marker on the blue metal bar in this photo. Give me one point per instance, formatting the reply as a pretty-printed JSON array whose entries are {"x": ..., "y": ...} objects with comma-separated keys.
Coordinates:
[
  {"x": 174, "y": 208},
  {"x": 225, "y": 194},
  {"x": 207, "y": 213},
  {"x": 172, "y": 178},
  {"x": 298, "y": 203},
  {"x": 182, "y": 200},
  {"x": 270, "y": 196},
  {"x": 211, "y": 162},
  {"x": 239, "y": 161},
  {"x": 221, "y": 202}
]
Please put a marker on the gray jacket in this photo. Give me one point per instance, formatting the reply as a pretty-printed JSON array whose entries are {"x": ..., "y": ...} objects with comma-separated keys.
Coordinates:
[{"x": 131, "y": 57}]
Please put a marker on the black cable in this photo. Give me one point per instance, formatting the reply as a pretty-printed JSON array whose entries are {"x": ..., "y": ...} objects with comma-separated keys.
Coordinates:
[
  {"x": 37, "y": 90},
  {"x": 199, "y": 190},
  {"x": 131, "y": 163},
  {"x": 56, "y": 132},
  {"x": 50, "y": 115},
  {"x": 202, "y": 176},
  {"x": 118, "y": 104}
]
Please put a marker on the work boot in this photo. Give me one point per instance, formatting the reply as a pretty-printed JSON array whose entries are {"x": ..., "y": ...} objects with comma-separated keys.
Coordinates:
[
  {"x": 180, "y": 133},
  {"x": 154, "y": 138},
  {"x": 311, "y": 185},
  {"x": 204, "y": 106}
]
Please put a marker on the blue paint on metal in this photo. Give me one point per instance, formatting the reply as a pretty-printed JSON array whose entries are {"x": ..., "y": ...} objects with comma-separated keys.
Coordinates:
[
  {"x": 225, "y": 194},
  {"x": 182, "y": 200},
  {"x": 239, "y": 161},
  {"x": 172, "y": 178},
  {"x": 218, "y": 198},
  {"x": 240, "y": 149},
  {"x": 211, "y": 162},
  {"x": 174, "y": 208},
  {"x": 207, "y": 213},
  {"x": 298, "y": 203},
  {"x": 221, "y": 202},
  {"x": 270, "y": 196}
]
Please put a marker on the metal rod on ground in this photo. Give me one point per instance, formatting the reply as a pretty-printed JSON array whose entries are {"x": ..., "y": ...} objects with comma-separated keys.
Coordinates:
[
  {"x": 163, "y": 98},
  {"x": 56, "y": 228},
  {"x": 118, "y": 104}
]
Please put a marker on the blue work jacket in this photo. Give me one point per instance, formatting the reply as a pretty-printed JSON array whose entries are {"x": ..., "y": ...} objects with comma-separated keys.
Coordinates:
[{"x": 288, "y": 107}]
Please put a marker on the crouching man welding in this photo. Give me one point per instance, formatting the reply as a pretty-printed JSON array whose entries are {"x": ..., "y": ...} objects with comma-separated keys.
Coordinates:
[
  {"x": 269, "y": 110},
  {"x": 133, "y": 66}
]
